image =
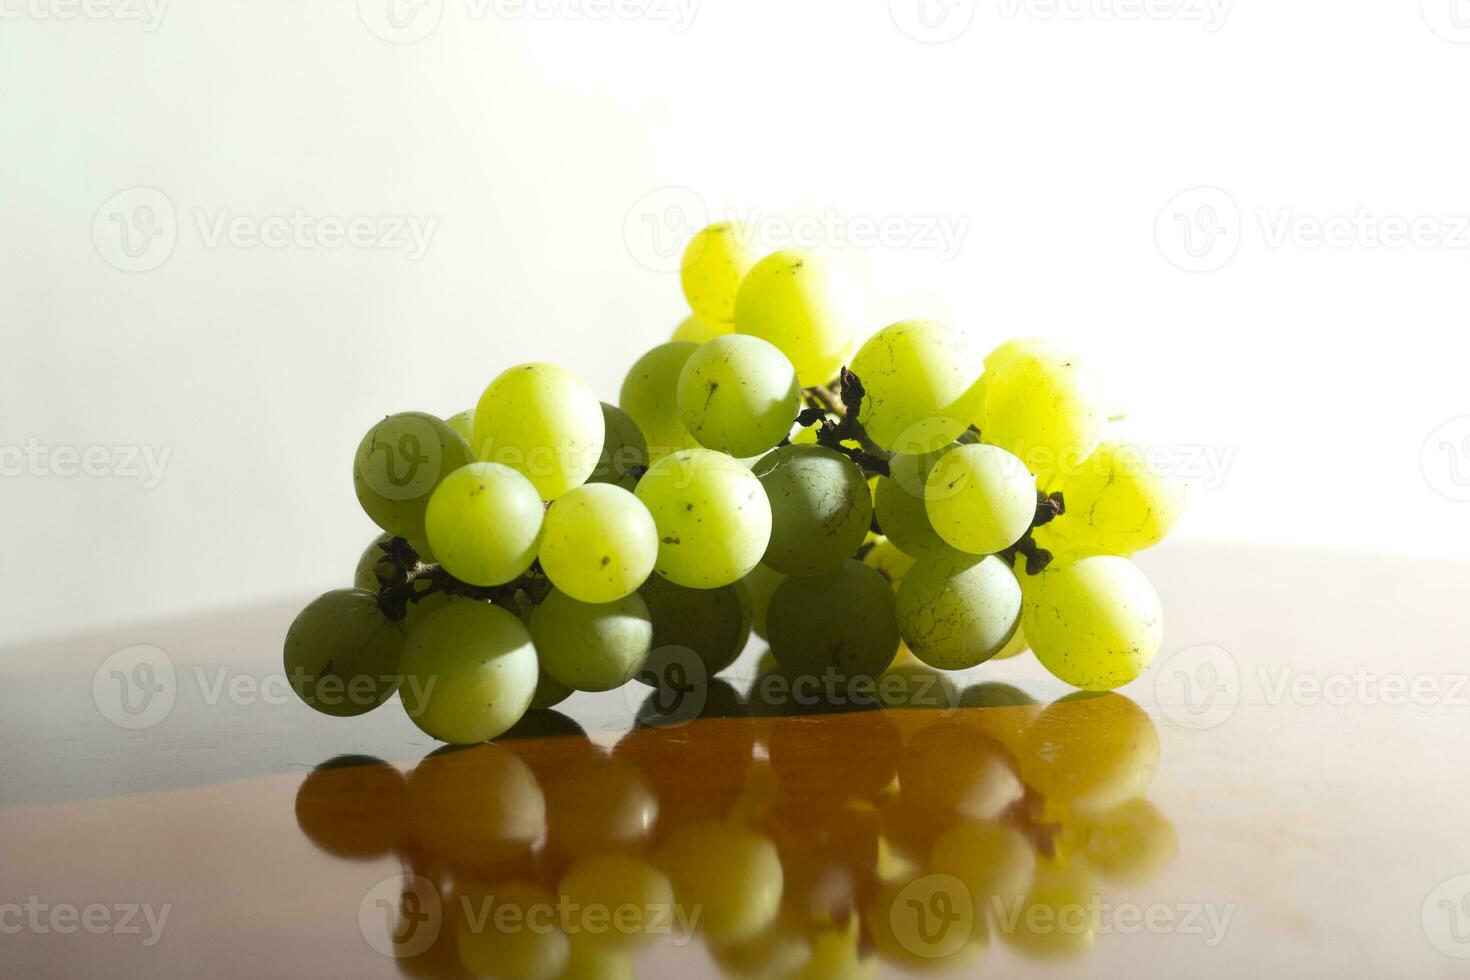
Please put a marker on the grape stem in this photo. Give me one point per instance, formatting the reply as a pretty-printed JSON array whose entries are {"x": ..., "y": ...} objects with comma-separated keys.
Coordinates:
[
  {"x": 847, "y": 405},
  {"x": 1048, "y": 508},
  {"x": 413, "y": 580}
]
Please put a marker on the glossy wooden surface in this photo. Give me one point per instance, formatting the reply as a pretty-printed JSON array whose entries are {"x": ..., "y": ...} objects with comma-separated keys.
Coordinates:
[{"x": 1282, "y": 796}]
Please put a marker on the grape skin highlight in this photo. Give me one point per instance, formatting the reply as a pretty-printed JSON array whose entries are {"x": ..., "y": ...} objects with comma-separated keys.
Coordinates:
[
  {"x": 598, "y": 543},
  {"x": 799, "y": 302},
  {"x": 592, "y": 647},
  {"x": 545, "y": 422},
  {"x": 980, "y": 499},
  {"x": 342, "y": 653},
  {"x": 921, "y": 382},
  {"x": 398, "y": 465},
  {"x": 1095, "y": 623},
  {"x": 650, "y": 395},
  {"x": 738, "y": 395},
  {"x": 821, "y": 509},
  {"x": 956, "y": 611},
  {"x": 713, "y": 518},
  {"x": 484, "y": 524}
]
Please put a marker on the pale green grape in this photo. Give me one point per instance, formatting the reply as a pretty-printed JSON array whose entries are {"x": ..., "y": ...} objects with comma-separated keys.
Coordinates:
[
  {"x": 800, "y": 302},
  {"x": 898, "y": 503},
  {"x": 543, "y": 421},
  {"x": 980, "y": 499},
  {"x": 995, "y": 362},
  {"x": 535, "y": 948},
  {"x": 609, "y": 882},
  {"x": 956, "y": 611},
  {"x": 342, "y": 653},
  {"x": 696, "y": 331},
  {"x": 714, "y": 623},
  {"x": 1129, "y": 843},
  {"x": 994, "y": 861},
  {"x": 1116, "y": 504},
  {"x": 1095, "y": 623},
  {"x": 713, "y": 519},
  {"x": 715, "y": 262},
  {"x": 821, "y": 509},
  {"x": 592, "y": 647},
  {"x": 890, "y": 562},
  {"x": 1058, "y": 917},
  {"x": 624, "y": 450},
  {"x": 738, "y": 395},
  {"x": 598, "y": 543},
  {"x": 399, "y": 463},
  {"x": 484, "y": 523},
  {"x": 841, "y": 621},
  {"x": 650, "y": 395},
  {"x": 373, "y": 561},
  {"x": 550, "y": 692},
  {"x": 463, "y": 424},
  {"x": 759, "y": 585},
  {"x": 469, "y": 672},
  {"x": 921, "y": 382},
  {"x": 729, "y": 871},
  {"x": 1045, "y": 407}
]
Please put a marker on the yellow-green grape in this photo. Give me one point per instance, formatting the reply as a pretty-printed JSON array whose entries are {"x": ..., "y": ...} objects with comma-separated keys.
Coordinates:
[
  {"x": 738, "y": 395},
  {"x": 714, "y": 623},
  {"x": 624, "y": 450},
  {"x": 463, "y": 424},
  {"x": 550, "y": 692},
  {"x": 593, "y": 960},
  {"x": 342, "y": 653},
  {"x": 1116, "y": 504},
  {"x": 1129, "y": 843},
  {"x": 760, "y": 585},
  {"x": 890, "y": 562},
  {"x": 899, "y": 505},
  {"x": 373, "y": 561},
  {"x": 800, "y": 302},
  {"x": 779, "y": 951},
  {"x": 994, "y": 861},
  {"x": 545, "y": 422},
  {"x": 731, "y": 872},
  {"x": 1045, "y": 407},
  {"x": 821, "y": 509},
  {"x": 713, "y": 519},
  {"x": 921, "y": 382},
  {"x": 928, "y": 924},
  {"x": 598, "y": 543},
  {"x": 650, "y": 395},
  {"x": 1057, "y": 919},
  {"x": 1016, "y": 646},
  {"x": 995, "y": 362},
  {"x": 842, "y": 621},
  {"x": 956, "y": 611},
  {"x": 1090, "y": 753},
  {"x": 696, "y": 331},
  {"x": 484, "y": 523},
  {"x": 715, "y": 263},
  {"x": 617, "y": 899},
  {"x": 839, "y": 953},
  {"x": 509, "y": 930},
  {"x": 399, "y": 463},
  {"x": 592, "y": 647},
  {"x": 1095, "y": 623},
  {"x": 980, "y": 499},
  {"x": 469, "y": 672}
]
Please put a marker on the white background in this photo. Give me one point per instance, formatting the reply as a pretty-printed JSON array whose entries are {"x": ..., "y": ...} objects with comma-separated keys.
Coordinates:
[{"x": 1315, "y": 377}]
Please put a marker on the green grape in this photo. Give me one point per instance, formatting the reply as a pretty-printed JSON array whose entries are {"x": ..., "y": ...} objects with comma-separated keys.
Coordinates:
[
  {"x": 759, "y": 586},
  {"x": 729, "y": 871},
  {"x": 399, "y": 463},
  {"x": 342, "y": 653},
  {"x": 693, "y": 330},
  {"x": 598, "y": 543},
  {"x": 713, "y": 518},
  {"x": 980, "y": 499},
  {"x": 530, "y": 946},
  {"x": 738, "y": 395},
  {"x": 469, "y": 672},
  {"x": 956, "y": 611},
  {"x": 484, "y": 523},
  {"x": 995, "y": 362},
  {"x": 994, "y": 861},
  {"x": 841, "y": 621},
  {"x": 650, "y": 396},
  {"x": 353, "y": 806},
  {"x": 928, "y": 924},
  {"x": 372, "y": 562},
  {"x": 1095, "y": 623},
  {"x": 799, "y": 301},
  {"x": 592, "y": 647},
  {"x": 1045, "y": 407},
  {"x": 1057, "y": 919},
  {"x": 921, "y": 382},
  {"x": 462, "y": 424},
  {"x": 550, "y": 692},
  {"x": 714, "y": 623},
  {"x": 821, "y": 509},
  {"x": 1090, "y": 753},
  {"x": 624, "y": 451},
  {"x": 898, "y": 503},
  {"x": 1130, "y": 843},
  {"x": 1116, "y": 504},
  {"x": 715, "y": 262},
  {"x": 890, "y": 562},
  {"x": 593, "y": 960},
  {"x": 477, "y": 809},
  {"x": 598, "y": 886},
  {"x": 957, "y": 769},
  {"x": 543, "y": 421}
]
